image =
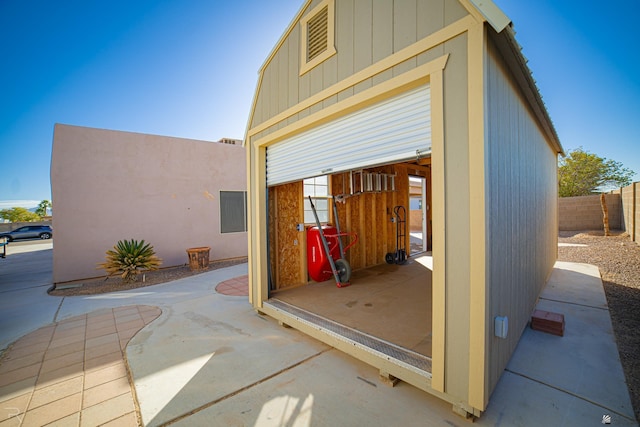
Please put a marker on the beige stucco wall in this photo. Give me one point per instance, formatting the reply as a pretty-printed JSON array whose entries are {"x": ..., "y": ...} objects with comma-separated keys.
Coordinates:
[{"x": 110, "y": 185}]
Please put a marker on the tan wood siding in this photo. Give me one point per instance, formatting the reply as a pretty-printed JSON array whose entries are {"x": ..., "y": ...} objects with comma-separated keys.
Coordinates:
[
  {"x": 456, "y": 191},
  {"x": 404, "y": 23},
  {"x": 379, "y": 32},
  {"x": 362, "y": 25},
  {"x": 367, "y": 31},
  {"x": 521, "y": 210}
]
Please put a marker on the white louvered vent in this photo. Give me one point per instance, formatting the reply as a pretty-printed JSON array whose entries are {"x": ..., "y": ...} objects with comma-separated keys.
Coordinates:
[{"x": 317, "y": 31}]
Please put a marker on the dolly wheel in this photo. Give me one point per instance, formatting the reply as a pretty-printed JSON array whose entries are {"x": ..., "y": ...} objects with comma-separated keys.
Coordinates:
[
  {"x": 390, "y": 258},
  {"x": 344, "y": 270}
]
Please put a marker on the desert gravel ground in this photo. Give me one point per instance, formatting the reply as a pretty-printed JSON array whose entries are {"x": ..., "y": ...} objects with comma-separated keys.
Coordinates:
[
  {"x": 101, "y": 285},
  {"x": 618, "y": 259}
]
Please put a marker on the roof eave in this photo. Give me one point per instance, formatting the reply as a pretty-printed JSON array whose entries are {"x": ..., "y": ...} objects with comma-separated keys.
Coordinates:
[
  {"x": 501, "y": 24},
  {"x": 531, "y": 89},
  {"x": 492, "y": 14}
]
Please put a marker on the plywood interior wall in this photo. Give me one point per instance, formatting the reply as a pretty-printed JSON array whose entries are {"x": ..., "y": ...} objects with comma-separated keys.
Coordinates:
[
  {"x": 367, "y": 214},
  {"x": 286, "y": 243}
]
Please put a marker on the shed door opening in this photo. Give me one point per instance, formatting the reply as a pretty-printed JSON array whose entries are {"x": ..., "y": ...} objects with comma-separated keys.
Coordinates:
[
  {"x": 387, "y": 307},
  {"x": 419, "y": 215}
]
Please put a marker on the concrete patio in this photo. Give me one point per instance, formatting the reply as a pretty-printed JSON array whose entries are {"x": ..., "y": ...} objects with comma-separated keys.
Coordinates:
[{"x": 210, "y": 359}]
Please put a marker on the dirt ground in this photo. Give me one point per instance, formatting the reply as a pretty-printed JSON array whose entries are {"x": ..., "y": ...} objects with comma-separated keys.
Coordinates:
[
  {"x": 102, "y": 285},
  {"x": 618, "y": 259}
]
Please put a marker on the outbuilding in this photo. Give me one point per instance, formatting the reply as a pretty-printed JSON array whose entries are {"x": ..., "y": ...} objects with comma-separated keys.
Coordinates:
[{"x": 421, "y": 123}]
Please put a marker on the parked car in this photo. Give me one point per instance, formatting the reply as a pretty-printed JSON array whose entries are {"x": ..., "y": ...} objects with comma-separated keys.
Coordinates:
[{"x": 29, "y": 232}]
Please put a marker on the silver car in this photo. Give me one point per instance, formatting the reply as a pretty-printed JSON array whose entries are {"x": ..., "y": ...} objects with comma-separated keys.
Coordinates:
[{"x": 29, "y": 232}]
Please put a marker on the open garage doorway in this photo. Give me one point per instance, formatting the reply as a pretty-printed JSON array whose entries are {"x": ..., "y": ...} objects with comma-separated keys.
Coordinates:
[{"x": 387, "y": 307}]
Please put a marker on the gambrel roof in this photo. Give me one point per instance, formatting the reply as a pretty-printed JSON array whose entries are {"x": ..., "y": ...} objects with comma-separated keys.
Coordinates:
[{"x": 486, "y": 11}]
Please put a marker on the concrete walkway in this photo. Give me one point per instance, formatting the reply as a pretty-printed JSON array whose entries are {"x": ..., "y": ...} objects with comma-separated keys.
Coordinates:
[{"x": 210, "y": 359}]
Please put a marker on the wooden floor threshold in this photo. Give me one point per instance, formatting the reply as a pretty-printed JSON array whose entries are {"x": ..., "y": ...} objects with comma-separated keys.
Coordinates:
[{"x": 416, "y": 362}]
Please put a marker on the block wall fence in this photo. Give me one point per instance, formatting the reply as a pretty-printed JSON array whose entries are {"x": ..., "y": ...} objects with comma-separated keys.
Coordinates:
[
  {"x": 631, "y": 210},
  {"x": 585, "y": 212}
]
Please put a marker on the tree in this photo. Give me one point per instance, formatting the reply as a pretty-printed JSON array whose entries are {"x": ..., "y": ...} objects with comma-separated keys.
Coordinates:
[
  {"x": 19, "y": 215},
  {"x": 42, "y": 208},
  {"x": 582, "y": 173}
]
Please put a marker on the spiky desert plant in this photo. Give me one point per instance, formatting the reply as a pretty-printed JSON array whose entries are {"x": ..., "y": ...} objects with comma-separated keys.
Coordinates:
[{"x": 128, "y": 258}]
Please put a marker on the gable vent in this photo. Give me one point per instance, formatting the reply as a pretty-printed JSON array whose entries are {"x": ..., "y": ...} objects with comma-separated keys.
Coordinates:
[{"x": 317, "y": 31}]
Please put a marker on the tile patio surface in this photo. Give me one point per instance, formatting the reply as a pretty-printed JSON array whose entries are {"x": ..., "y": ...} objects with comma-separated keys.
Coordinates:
[
  {"x": 73, "y": 372},
  {"x": 238, "y": 286}
]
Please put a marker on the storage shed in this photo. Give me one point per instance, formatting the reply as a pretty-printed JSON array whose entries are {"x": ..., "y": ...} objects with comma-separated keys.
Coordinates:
[{"x": 385, "y": 108}]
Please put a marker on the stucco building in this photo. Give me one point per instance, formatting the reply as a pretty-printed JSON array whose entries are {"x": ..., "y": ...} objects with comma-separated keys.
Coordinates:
[
  {"x": 360, "y": 97},
  {"x": 174, "y": 193}
]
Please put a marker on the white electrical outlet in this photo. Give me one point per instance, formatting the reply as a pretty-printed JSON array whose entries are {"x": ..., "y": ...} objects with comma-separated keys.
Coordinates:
[{"x": 501, "y": 326}]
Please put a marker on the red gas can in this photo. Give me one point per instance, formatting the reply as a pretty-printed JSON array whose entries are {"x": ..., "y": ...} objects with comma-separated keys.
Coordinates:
[{"x": 317, "y": 262}]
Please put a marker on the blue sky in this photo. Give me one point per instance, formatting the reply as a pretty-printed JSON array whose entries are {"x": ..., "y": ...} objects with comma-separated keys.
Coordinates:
[{"x": 189, "y": 69}]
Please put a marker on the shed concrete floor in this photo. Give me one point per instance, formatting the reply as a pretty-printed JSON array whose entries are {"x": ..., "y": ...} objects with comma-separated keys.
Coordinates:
[{"x": 391, "y": 302}]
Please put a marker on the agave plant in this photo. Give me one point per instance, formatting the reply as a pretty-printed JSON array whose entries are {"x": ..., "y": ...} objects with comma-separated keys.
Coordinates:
[{"x": 128, "y": 258}]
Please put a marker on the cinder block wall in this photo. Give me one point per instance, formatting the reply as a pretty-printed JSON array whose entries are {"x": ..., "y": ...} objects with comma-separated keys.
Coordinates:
[
  {"x": 631, "y": 210},
  {"x": 585, "y": 212}
]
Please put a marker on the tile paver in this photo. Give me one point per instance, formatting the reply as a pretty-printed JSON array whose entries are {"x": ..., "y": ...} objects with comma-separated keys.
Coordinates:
[
  {"x": 238, "y": 286},
  {"x": 108, "y": 410},
  {"x": 102, "y": 329},
  {"x": 100, "y": 393},
  {"x": 26, "y": 350},
  {"x": 102, "y": 349},
  {"x": 54, "y": 392},
  {"x": 53, "y": 353},
  {"x": 61, "y": 362},
  {"x": 102, "y": 361},
  {"x": 19, "y": 374},
  {"x": 103, "y": 339},
  {"x": 130, "y": 419},
  {"x": 104, "y": 375},
  {"x": 16, "y": 389},
  {"x": 72, "y": 373},
  {"x": 22, "y": 362},
  {"x": 53, "y": 411},
  {"x": 48, "y": 378}
]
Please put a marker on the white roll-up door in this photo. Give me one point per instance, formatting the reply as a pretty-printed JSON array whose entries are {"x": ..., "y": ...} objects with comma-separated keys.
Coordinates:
[{"x": 394, "y": 130}]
